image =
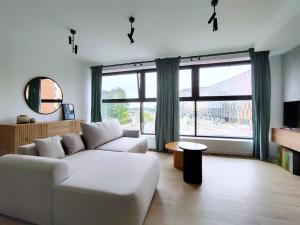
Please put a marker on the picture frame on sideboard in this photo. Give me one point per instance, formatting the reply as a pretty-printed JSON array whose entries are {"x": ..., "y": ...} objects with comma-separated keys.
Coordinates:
[{"x": 68, "y": 111}]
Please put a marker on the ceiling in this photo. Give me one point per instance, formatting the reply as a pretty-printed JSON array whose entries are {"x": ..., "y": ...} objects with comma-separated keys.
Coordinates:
[{"x": 163, "y": 27}]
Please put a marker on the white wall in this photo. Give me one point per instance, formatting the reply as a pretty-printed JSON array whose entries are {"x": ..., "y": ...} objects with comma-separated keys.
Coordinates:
[
  {"x": 69, "y": 73},
  {"x": 276, "y": 98},
  {"x": 237, "y": 147},
  {"x": 291, "y": 72},
  {"x": 31, "y": 47}
]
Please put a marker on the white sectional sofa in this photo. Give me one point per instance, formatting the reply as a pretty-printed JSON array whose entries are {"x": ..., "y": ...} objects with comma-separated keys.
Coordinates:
[
  {"x": 90, "y": 187},
  {"x": 107, "y": 136}
]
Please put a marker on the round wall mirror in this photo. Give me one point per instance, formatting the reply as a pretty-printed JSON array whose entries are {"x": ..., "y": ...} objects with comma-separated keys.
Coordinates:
[{"x": 43, "y": 95}]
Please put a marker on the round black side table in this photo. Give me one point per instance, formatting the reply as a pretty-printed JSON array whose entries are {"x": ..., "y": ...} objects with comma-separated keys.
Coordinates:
[{"x": 192, "y": 162}]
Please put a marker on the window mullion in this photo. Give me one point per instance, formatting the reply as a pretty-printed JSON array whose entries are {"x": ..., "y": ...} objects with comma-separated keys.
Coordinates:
[
  {"x": 195, "y": 82},
  {"x": 142, "y": 86},
  {"x": 195, "y": 87},
  {"x": 142, "y": 99},
  {"x": 142, "y": 117}
]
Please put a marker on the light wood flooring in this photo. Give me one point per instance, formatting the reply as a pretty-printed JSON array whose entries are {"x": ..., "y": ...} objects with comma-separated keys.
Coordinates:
[{"x": 234, "y": 191}]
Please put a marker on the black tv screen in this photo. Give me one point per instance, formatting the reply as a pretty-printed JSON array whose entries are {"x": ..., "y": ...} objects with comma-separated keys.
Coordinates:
[{"x": 291, "y": 114}]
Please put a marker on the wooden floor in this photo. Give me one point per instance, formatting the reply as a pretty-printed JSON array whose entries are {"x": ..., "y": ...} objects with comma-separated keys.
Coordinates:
[{"x": 234, "y": 192}]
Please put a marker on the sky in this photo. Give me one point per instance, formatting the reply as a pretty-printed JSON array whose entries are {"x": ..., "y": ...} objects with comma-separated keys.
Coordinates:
[
  {"x": 126, "y": 82},
  {"x": 213, "y": 75},
  {"x": 208, "y": 77}
]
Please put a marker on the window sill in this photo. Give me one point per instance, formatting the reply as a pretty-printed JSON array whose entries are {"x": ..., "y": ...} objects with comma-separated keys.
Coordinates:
[
  {"x": 208, "y": 138},
  {"x": 217, "y": 139}
]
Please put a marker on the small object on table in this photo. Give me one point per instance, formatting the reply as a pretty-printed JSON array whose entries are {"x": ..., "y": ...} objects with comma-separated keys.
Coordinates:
[
  {"x": 23, "y": 119},
  {"x": 192, "y": 161},
  {"x": 32, "y": 120}
]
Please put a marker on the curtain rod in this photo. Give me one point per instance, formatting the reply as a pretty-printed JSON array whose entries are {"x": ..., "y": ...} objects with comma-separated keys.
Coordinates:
[{"x": 187, "y": 57}]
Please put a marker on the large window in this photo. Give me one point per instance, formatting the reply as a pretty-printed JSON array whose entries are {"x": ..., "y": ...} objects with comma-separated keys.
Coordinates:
[
  {"x": 120, "y": 87},
  {"x": 215, "y": 100},
  {"x": 185, "y": 83},
  {"x": 127, "y": 113},
  {"x": 131, "y": 98},
  {"x": 221, "y": 101}
]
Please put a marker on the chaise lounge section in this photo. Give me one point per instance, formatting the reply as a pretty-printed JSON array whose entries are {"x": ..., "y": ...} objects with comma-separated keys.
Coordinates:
[
  {"x": 90, "y": 187},
  {"x": 114, "y": 188}
]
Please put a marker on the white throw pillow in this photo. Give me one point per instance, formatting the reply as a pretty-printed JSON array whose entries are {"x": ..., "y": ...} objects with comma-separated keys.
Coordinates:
[
  {"x": 72, "y": 143},
  {"x": 97, "y": 134},
  {"x": 50, "y": 147}
]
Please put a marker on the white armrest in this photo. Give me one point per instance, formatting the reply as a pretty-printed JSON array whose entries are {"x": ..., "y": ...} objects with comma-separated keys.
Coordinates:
[
  {"x": 27, "y": 186},
  {"x": 131, "y": 133}
]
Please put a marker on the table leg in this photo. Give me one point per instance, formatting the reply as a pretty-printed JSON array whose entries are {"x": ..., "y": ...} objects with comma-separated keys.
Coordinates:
[
  {"x": 178, "y": 160},
  {"x": 192, "y": 171}
]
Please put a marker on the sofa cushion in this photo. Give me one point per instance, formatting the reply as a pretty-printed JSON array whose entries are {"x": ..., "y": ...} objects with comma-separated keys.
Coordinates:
[
  {"x": 96, "y": 134},
  {"x": 29, "y": 149},
  {"x": 126, "y": 144},
  {"x": 72, "y": 143},
  {"x": 132, "y": 133},
  {"x": 112, "y": 184},
  {"x": 50, "y": 147}
]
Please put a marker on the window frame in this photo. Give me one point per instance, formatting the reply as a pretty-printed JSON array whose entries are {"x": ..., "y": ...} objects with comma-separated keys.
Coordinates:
[
  {"x": 195, "y": 97},
  {"x": 141, "y": 92}
]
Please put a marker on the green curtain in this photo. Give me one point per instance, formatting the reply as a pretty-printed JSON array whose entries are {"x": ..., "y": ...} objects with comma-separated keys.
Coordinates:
[
  {"x": 34, "y": 95},
  {"x": 96, "y": 93},
  {"x": 167, "y": 113},
  {"x": 261, "y": 94}
]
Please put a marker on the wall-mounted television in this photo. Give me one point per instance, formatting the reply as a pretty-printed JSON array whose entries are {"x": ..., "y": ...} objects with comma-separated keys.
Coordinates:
[{"x": 291, "y": 114}]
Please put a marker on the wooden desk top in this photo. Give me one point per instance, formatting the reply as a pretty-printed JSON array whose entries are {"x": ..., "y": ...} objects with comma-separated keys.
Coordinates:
[
  {"x": 174, "y": 146},
  {"x": 287, "y": 138}
]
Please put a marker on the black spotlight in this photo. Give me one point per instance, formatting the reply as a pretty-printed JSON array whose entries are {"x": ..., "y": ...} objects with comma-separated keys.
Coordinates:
[
  {"x": 130, "y": 35},
  {"x": 215, "y": 25},
  {"x": 213, "y": 17},
  {"x": 75, "y": 49},
  {"x": 72, "y": 41}
]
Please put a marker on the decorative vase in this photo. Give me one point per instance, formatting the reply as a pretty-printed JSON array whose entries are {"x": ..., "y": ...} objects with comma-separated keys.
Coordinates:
[
  {"x": 23, "y": 119},
  {"x": 32, "y": 120}
]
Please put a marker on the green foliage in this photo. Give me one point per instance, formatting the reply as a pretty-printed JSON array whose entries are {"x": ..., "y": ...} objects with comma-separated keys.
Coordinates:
[
  {"x": 148, "y": 117},
  {"x": 116, "y": 110},
  {"x": 122, "y": 113},
  {"x": 116, "y": 93}
]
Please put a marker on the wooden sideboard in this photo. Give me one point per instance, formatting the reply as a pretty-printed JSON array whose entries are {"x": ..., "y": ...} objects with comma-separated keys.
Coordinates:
[
  {"x": 14, "y": 135},
  {"x": 287, "y": 138},
  {"x": 288, "y": 155}
]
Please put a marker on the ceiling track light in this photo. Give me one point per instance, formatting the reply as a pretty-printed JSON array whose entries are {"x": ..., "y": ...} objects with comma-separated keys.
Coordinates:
[
  {"x": 213, "y": 17},
  {"x": 215, "y": 25},
  {"x": 72, "y": 41},
  {"x": 130, "y": 35}
]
